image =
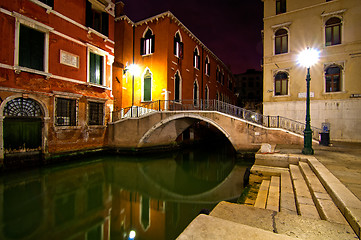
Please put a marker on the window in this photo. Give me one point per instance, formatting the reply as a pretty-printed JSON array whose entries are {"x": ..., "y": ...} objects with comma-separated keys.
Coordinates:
[
  {"x": 281, "y": 41},
  {"x": 177, "y": 87},
  {"x": 178, "y": 46},
  {"x": 230, "y": 84},
  {"x": 31, "y": 48},
  {"x": 218, "y": 75},
  {"x": 96, "y": 113},
  {"x": 195, "y": 93},
  {"x": 50, "y": 3},
  {"x": 97, "y": 18},
  {"x": 333, "y": 78},
  {"x": 147, "y": 86},
  {"x": 280, "y": 6},
  {"x": 222, "y": 78},
  {"x": 147, "y": 43},
  {"x": 207, "y": 67},
  {"x": 333, "y": 31},
  {"x": 96, "y": 68},
  {"x": 196, "y": 58},
  {"x": 281, "y": 83},
  {"x": 206, "y": 96},
  {"x": 66, "y": 112}
]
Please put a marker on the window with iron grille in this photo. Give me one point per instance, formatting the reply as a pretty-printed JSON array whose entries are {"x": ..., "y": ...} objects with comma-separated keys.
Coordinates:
[
  {"x": 66, "y": 110},
  {"x": 96, "y": 113}
]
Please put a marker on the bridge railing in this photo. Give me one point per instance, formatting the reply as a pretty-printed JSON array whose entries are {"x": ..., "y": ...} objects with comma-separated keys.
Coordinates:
[{"x": 215, "y": 105}]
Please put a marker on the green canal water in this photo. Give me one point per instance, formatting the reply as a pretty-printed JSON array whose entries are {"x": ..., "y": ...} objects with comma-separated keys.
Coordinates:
[{"x": 108, "y": 196}]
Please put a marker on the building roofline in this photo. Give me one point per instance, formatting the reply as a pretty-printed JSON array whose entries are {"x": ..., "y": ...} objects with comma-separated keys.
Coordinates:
[{"x": 182, "y": 26}]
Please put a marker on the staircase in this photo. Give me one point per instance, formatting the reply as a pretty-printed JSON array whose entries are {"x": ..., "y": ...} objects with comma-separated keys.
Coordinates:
[
  {"x": 298, "y": 198},
  {"x": 298, "y": 191}
]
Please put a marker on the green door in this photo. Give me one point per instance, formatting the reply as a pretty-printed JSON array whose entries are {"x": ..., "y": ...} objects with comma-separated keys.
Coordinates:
[{"x": 20, "y": 133}]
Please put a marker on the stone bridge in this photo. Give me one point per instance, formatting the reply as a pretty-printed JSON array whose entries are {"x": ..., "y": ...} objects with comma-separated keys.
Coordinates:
[{"x": 161, "y": 129}]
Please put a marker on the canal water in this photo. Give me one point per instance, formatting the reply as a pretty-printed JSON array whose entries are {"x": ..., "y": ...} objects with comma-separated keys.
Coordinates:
[{"x": 116, "y": 197}]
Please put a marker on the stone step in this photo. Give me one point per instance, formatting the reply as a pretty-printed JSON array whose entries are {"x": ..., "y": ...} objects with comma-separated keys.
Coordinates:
[
  {"x": 304, "y": 202},
  {"x": 326, "y": 207},
  {"x": 280, "y": 222},
  {"x": 262, "y": 195},
  {"x": 205, "y": 227},
  {"x": 259, "y": 173},
  {"x": 287, "y": 198},
  {"x": 273, "y": 199}
]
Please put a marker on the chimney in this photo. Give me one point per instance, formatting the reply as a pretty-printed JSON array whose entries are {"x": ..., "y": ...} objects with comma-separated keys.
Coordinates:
[{"x": 119, "y": 8}]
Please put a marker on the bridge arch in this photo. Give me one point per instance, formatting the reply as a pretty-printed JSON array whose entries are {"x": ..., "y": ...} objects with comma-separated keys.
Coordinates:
[{"x": 159, "y": 130}]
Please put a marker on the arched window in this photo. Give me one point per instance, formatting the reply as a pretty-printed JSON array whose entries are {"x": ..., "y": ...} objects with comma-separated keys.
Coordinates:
[
  {"x": 281, "y": 41},
  {"x": 333, "y": 78},
  {"x": 206, "y": 96},
  {"x": 22, "y": 107},
  {"x": 333, "y": 31},
  {"x": 218, "y": 74},
  {"x": 178, "y": 46},
  {"x": 177, "y": 87},
  {"x": 147, "y": 43},
  {"x": 281, "y": 83},
  {"x": 207, "y": 67},
  {"x": 196, "y": 58},
  {"x": 147, "y": 86},
  {"x": 195, "y": 93}
]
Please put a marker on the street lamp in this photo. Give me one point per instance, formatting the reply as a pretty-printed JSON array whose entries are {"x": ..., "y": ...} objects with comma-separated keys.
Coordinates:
[
  {"x": 307, "y": 58},
  {"x": 134, "y": 70}
]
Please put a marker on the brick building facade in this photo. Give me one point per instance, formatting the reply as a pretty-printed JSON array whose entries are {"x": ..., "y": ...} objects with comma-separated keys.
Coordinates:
[{"x": 55, "y": 75}]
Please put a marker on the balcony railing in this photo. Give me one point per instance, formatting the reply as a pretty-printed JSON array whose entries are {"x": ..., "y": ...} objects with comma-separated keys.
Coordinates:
[{"x": 215, "y": 105}]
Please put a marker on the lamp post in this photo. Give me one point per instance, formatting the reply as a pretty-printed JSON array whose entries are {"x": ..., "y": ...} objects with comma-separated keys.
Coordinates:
[{"x": 307, "y": 58}]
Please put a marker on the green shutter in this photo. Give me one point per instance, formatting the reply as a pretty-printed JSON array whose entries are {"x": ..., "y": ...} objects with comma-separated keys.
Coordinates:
[
  {"x": 147, "y": 89},
  {"x": 96, "y": 69},
  {"x": 31, "y": 48}
]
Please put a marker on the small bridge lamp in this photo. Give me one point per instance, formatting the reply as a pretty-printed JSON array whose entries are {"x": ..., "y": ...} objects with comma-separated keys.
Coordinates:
[
  {"x": 308, "y": 58},
  {"x": 133, "y": 69}
]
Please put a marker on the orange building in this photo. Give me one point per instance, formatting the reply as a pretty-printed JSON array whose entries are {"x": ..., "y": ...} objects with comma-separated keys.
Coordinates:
[
  {"x": 56, "y": 63},
  {"x": 161, "y": 59}
]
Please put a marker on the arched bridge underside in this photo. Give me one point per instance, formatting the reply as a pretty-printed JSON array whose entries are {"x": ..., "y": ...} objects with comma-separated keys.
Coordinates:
[{"x": 161, "y": 129}]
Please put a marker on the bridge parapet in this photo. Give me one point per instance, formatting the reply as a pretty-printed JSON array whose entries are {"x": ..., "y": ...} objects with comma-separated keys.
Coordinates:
[{"x": 219, "y": 106}]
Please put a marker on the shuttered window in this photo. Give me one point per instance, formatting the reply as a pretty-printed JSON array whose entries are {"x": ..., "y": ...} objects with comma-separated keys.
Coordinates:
[
  {"x": 96, "y": 72},
  {"x": 147, "y": 87},
  {"x": 97, "y": 19},
  {"x": 31, "y": 48}
]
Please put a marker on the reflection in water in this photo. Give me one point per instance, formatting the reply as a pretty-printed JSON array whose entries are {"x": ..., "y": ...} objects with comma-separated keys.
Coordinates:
[{"x": 155, "y": 197}]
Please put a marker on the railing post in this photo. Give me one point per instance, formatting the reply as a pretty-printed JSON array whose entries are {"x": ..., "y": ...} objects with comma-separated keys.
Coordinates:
[
  {"x": 268, "y": 125},
  {"x": 158, "y": 105},
  {"x": 278, "y": 121}
]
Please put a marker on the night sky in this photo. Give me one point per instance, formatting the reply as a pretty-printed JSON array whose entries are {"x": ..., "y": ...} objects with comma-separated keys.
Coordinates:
[{"x": 229, "y": 28}]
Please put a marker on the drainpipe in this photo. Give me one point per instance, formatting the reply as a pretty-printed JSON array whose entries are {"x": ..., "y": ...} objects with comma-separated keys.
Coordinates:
[{"x": 202, "y": 102}]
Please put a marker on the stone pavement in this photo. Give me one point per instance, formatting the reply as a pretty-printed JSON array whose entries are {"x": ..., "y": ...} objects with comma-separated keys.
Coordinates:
[
  {"x": 342, "y": 159},
  {"x": 340, "y": 171}
]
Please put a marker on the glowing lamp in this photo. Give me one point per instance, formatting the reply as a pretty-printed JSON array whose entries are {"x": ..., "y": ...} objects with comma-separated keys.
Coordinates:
[{"x": 308, "y": 57}]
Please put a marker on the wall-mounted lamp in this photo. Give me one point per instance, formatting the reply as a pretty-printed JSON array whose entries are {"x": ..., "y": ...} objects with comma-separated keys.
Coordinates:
[{"x": 133, "y": 69}]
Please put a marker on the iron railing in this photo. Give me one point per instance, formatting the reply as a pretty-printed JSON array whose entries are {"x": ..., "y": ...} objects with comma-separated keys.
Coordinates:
[{"x": 215, "y": 105}]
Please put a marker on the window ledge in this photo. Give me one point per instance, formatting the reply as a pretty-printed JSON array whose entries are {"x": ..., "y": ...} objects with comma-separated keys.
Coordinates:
[
  {"x": 96, "y": 126},
  {"x": 19, "y": 69},
  {"x": 278, "y": 96},
  {"x": 67, "y": 127},
  {"x": 99, "y": 86},
  {"x": 147, "y": 55},
  {"x": 90, "y": 30},
  {"x": 338, "y": 92},
  {"x": 48, "y": 8}
]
